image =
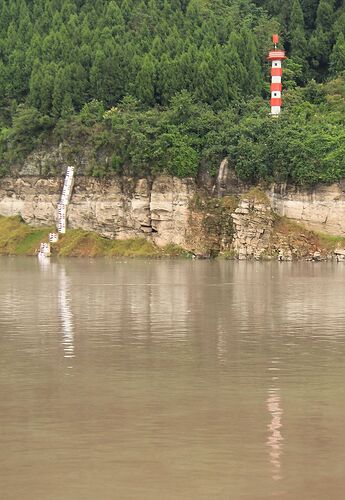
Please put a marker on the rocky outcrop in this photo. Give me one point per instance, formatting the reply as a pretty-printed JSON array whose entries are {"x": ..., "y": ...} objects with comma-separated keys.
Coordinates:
[
  {"x": 49, "y": 160},
  {"x": 253, "y": 223},
  {"x": 118, "y": 208},
  {"x": 210, "y": 225},
  {"x": 32, "y": 198},
  {"x": 169, "y": 209},
  {"x": 340, "y": 254},
  {"x": 321, "y": 209}
]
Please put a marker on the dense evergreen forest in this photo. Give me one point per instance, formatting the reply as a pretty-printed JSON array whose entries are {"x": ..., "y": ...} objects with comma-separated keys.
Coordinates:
[{"x": 176, "y": 85}]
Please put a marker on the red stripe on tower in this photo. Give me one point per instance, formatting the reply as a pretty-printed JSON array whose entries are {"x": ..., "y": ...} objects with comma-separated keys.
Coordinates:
[
  {"x": 276, "y": 101},
  {"x": 276, "y": 57},
  {"x": 276, "y": 71},
  {"x": 276, "y": 86}
]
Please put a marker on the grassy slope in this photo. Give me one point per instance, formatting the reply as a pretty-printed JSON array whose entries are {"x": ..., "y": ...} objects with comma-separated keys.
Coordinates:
[
  {"x": 17, "y": 238},
  {"x": 303, "y": 241}
]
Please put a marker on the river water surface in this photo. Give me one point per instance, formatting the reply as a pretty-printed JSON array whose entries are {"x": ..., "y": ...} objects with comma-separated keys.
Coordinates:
[{"x": 171, "y": 380}]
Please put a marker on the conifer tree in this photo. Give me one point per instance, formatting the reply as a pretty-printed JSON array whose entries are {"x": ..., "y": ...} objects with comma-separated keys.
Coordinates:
[
  {"x": 337, "y": 59},
  {"x": 250, "y": 57},
  {"x": 235, "y": 70},
  {"x": 66, "y": 106},
  {"x": 145, "y": 81},
  {"x": 47, "y": 87},
  {"x": 18, "y": 74},
  {"x": 297, "y": 32},
  {"x": 25, "y": 29},
  {"x": 35, "y": 85},
  {"x": 113, "y": 18},
  {"x": 309, "y": 9},
  {"x": 2, "y": 82},
  {"x": 127, "y": 7},
  {"x": 169, "y": 79},
  {"x": 61, "y": 97},
  {"x": 187, "y": 67},
  {"x": 324, "y": 15},
  {"x": 157, "y": 47},
  {"x": 321, "y": 40},
  {"x": 67, "y": 10},
  {"x": 339, "y": 24},
  {"x": 211, "y": 79},
  {"x": 4, "y": 17}
]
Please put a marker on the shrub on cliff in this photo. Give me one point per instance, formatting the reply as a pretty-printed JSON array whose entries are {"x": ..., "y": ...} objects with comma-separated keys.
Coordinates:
[
  {"x": 156, "y": 140},
  {"x": 92, "y": 112},
  {"x": 28, "y": 129}
]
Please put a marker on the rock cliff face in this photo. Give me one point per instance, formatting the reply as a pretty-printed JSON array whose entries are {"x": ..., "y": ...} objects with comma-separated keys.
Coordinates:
[
  {"x": 253, "y": 223},
  {"x": 321, "y": 209},
  {"x": 170, "y": 210},
  {"x": 121, "y": 208}
]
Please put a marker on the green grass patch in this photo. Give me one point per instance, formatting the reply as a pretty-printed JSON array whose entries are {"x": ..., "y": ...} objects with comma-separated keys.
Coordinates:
[
  {"x": 172, "y": 250},
  {"x": 256, "y": 195},
  {"x": 133, "y": 248},
  {"x": 331, "y": 242},
  {"x": 18, "y": 238},
  {"x": 79, "y": 243}
]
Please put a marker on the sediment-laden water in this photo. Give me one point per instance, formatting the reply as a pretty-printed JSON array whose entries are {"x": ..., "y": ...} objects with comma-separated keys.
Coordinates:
[{"x": 171, "y": 380}]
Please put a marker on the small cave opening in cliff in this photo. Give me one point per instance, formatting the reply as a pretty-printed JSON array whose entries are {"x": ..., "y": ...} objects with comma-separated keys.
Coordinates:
[{"x": 146, "y": 227}]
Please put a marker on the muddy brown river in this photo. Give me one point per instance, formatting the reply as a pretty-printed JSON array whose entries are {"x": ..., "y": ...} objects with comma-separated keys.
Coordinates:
[{"x": 171, "y": 380}]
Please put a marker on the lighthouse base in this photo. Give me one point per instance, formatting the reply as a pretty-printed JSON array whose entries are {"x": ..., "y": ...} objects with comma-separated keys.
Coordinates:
[{"x": 275, "y": 110}]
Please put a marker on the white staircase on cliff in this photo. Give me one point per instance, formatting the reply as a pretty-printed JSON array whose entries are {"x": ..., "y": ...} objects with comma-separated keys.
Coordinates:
[{"x": 65, "y": 199}]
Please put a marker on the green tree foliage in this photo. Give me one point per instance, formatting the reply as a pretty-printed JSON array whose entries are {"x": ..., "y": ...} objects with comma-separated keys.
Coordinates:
[
  {"x": 337, "y": 59},
  {"x": 176, "y": 85},
  {"x": 321, "y": 40},
  {"x": 297, "y": 32},
  {"x": 28, "y": 127},
  {"x": 145, "y": 81},
  {"x": 70, "y": 51}
]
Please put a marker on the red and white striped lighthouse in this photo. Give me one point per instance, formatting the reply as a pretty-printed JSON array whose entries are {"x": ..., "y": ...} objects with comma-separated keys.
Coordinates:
[{"x": 276, "y": 57}]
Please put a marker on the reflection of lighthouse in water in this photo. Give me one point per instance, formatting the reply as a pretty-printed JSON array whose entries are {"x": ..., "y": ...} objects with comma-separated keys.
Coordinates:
[
  {"x": 275, "y": 438},
  {"x": 66, "y": 315}
]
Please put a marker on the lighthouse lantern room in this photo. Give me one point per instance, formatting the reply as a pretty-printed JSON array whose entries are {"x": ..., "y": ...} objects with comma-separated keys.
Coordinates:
[{"x": 276, "y": 56}]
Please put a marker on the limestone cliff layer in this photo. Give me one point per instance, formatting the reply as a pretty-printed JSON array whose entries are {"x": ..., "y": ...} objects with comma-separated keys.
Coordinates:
[
  {"x": 320, "y": 209},
  {"x": 165, "y": 211},
  {"x": 118, "y": 208}
]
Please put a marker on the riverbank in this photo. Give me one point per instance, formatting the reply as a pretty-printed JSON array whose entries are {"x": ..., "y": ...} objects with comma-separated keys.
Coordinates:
[
  {"x": 288, "y": 241},
  {"x": 18, "y": 238}
]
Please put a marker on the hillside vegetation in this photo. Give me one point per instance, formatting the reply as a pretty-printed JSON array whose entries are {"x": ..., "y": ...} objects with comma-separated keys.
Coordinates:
[{"x": 175, "y": 86}]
